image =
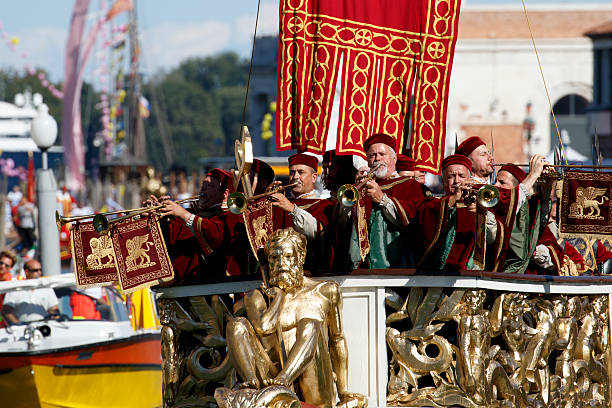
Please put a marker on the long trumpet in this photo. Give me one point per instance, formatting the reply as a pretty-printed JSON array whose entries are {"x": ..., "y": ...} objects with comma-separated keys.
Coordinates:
[
  {"x": 574, "y": 166},
  {"x": 348, "y": 194},
  {"x": 237, "y": 201},
  {"x": 101, "y": 222}
]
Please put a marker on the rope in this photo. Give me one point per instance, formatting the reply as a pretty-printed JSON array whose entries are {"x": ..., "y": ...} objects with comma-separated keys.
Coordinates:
[
  {"x": 544, "y": 81},
  {"x": 246, "y": 96}
]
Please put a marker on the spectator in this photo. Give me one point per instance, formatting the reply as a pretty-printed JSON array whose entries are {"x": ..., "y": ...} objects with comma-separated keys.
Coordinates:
[
  {"x": 30, "y": 305},
  {"x": 7, "y": 262},
  {"x": 25, "y": 214},
  {"x": 14, "y": 196}
]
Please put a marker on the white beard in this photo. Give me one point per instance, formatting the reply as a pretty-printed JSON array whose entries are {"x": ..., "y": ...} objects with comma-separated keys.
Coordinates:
[{"x": 381, "y": 172}]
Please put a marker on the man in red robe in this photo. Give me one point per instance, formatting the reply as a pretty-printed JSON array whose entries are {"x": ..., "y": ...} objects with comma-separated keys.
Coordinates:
[
  {"x": 386, "y": 204},
  {"x": 303, "y": 210}
]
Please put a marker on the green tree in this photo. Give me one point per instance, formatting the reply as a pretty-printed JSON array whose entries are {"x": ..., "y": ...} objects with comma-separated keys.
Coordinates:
[{"x": 199, "y": 106}]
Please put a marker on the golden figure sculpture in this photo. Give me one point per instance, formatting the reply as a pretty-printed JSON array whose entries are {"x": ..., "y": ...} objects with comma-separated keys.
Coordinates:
[
  {"x": 298, "y": 335},
  {"x": 502, "y": 354}
]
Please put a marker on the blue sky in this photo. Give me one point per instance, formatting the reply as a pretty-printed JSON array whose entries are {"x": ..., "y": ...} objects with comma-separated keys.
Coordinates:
[{"x": 170, "y": 30}]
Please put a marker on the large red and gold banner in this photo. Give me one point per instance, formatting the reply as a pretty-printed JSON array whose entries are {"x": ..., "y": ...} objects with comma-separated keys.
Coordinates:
[
  {"x": 384, "y": 54},
  {"x": 93, "y": 255},
  {"x": 142, "y": 257},
  {"x": 585, "y": 205}
]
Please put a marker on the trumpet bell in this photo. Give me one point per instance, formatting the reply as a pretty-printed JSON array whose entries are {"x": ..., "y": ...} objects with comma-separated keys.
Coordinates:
[
  {"x": 101, "y": 224},
  {"x": 488, "y": 196},
  {"x": 347, "y": 195},
  {"x": 236, "y": 203}
]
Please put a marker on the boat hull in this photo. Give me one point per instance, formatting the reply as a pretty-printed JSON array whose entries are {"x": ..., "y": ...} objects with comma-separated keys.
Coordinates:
[{"x": 115, "y": 373}]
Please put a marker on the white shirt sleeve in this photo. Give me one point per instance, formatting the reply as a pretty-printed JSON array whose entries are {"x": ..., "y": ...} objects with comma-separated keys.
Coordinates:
[
  {"x": 491, "y": 228},
  {"x": 523, "y": 195},
  {"x": 387, "y": 206},
  {"x": 304, "y": 222}
]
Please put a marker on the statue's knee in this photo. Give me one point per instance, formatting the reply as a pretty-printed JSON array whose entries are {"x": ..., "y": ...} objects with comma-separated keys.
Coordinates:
[{"x": 238, "y": 327}]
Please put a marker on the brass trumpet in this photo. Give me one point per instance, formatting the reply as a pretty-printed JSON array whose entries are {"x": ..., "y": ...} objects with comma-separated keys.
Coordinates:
[
  {"x": 100, "y": 221},
  {"x": 487, "y": 195},
  {"x": 237, "y": 201},
  {"x": 348, "y": 194}
]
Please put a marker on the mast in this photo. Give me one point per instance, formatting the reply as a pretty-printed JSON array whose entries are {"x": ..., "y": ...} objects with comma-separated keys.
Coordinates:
[{"x": 137, "y": 142}]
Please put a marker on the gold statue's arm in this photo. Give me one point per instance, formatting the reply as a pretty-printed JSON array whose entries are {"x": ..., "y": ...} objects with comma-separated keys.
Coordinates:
[
  {"x": 264, "y": 320},
  {"x": 337, "y": 342}
]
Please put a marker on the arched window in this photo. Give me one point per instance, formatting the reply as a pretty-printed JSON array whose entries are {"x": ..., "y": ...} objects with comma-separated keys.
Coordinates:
[{"x": 570, "y": 105}]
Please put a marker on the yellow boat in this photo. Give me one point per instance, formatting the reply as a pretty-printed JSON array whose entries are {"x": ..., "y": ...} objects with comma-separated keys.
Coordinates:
[{"x": 77, "y": 362}]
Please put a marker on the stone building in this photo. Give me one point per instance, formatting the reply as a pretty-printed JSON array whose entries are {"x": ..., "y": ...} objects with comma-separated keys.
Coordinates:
[
  {"x": 600, "y": 111},
  {"x": 496, "y": 85}
]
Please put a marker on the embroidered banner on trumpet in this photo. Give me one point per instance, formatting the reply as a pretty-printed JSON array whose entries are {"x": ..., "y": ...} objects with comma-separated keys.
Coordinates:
[
  {"x": 387, "y": 56},
  {"x": 585, "y": 205}
]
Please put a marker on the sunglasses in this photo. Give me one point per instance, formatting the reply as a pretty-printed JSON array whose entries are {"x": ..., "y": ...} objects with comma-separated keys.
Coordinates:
[
  {"x": 5, "y": 264},
  {"x": 34, "y": 270}
]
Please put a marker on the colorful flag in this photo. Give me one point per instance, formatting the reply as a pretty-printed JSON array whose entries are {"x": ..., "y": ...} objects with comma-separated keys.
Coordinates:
[
  {"x": 31, "y": 183},
  {"x": 385, "y": 59},
  {"x": 119, "y": 7}
]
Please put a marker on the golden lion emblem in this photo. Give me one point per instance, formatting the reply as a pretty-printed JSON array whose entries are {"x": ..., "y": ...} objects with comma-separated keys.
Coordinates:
[
  {"x": 586, "y": 198},
  {"x": 260, "y": 231},
  {"x": 101, "y": 247},
  {"x": 137, "y": 253}
]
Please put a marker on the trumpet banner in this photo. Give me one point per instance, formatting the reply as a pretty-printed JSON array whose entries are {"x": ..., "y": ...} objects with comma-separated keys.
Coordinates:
[
  {"x": 142, "y": 257},
  {"x": 585, "y": 205},
  {"x": 387, "y": 56},
  {"x": 259, "y": 223},
  {"x": 94, "y": 257}
]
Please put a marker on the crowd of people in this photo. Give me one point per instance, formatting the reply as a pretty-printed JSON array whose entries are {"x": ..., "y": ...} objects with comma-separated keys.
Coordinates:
[{"x": 395, "y": 222}]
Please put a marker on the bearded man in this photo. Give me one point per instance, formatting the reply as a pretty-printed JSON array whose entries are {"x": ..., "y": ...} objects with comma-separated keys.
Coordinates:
[
  {"x": 386, "y": 205},
  {"x": 296, "y": 314}
]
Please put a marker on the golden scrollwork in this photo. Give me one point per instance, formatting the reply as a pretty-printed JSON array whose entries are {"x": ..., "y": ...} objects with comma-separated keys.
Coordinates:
[
  {"x": 473, "y": 348},
  {"x": 586, "y": 198},
  {"x": 137, "y": 257},
  {"x": 101, "y": 248},
  {"x": 194, "y": 351},
  {"x": 292, "y": 334}
]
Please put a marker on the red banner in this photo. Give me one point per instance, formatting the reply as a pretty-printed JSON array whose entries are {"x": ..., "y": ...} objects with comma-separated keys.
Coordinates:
[
  {"x": 585, "y": 205},
  {"x": 259, "y": 223},
  {"x": 94, "y": 257},
  {"x": 142, "y": 257},
  {"x": 384, "y": 54}
]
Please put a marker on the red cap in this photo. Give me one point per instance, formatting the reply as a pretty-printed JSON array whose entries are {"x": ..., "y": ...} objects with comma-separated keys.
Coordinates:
[
  {"x": 457, "y": 159},
  {"x": 404, "y": 163},
  {"x": 469, "y": 145},
  {"x": 225, "y": 178},
  {"x": 305, "y": 159},
  {"x": 515, "y": 170},
  {"x": 380, "y": 138}
]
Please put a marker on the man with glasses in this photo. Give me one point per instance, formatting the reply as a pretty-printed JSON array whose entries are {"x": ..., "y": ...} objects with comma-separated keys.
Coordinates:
[
  {"x": 30, "y": 305},
  {"x": 7, "y": 261}
]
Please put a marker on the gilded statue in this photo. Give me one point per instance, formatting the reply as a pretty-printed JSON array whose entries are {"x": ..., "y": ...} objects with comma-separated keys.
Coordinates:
[{"x": 293, "y": 330}]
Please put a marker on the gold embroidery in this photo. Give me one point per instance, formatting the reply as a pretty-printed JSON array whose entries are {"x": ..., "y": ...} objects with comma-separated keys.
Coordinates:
[
  {"x": 260, "y": 231},
  {"x": 586, "y": 199},
  {"x": 137, "y": 255},
  {"x": 101, "y": 247}
]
